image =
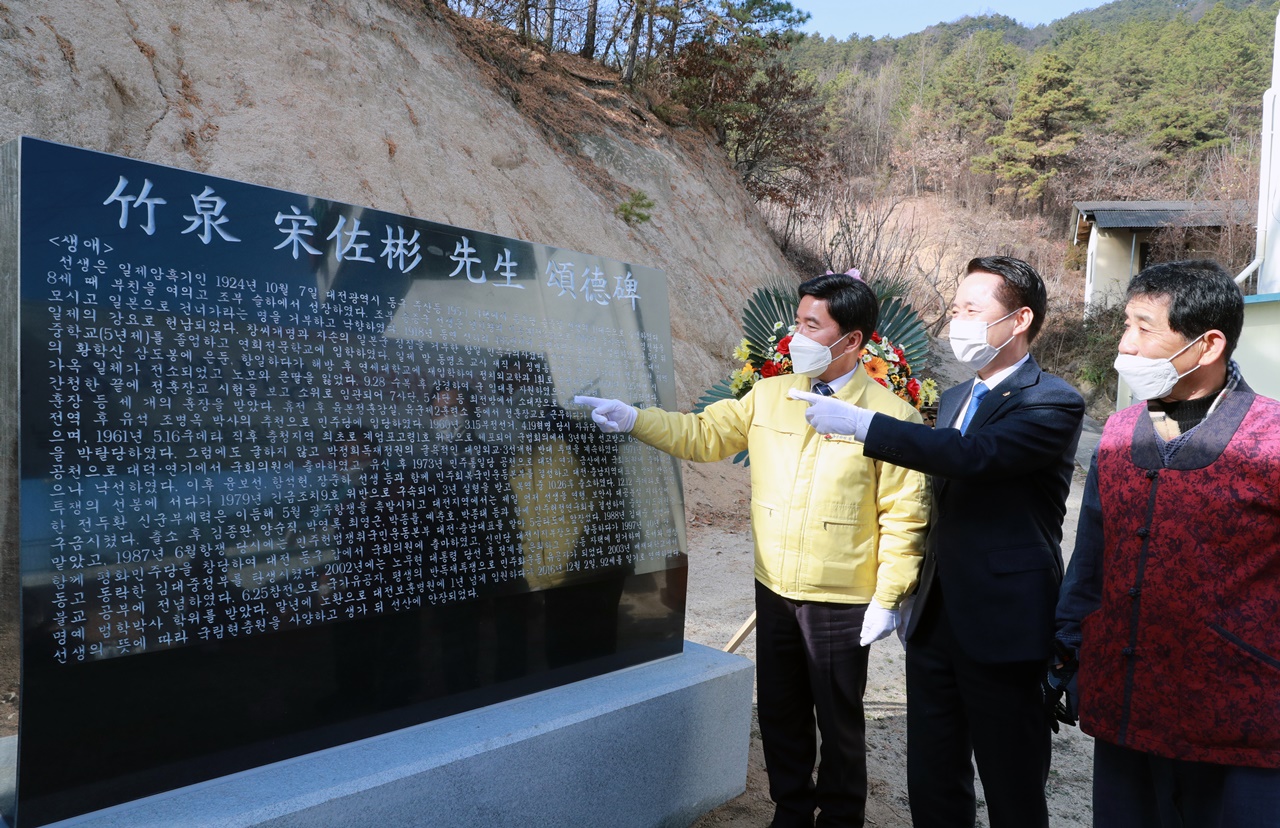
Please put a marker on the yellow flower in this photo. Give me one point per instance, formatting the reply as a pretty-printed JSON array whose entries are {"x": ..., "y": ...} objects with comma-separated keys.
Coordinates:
[
  {"x": 928, "y": 392},
  {"x": 743, "y": 351}
]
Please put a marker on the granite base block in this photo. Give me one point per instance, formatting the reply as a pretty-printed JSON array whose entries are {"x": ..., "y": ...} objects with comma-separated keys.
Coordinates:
[{"x": 653, "y": 745}]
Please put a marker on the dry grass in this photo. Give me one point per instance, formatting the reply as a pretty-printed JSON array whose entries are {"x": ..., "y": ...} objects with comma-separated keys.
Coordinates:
[
  {"x": 933, "y": 238},
  {"x": 566, "y": 97}
]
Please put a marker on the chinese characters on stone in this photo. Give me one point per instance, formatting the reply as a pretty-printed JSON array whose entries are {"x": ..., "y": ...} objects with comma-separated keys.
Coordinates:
[{"x": 401, "y": 250}]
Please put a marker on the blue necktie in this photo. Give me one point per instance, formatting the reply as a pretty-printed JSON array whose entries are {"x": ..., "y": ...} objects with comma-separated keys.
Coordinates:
[
  {"x": 979, "y": 391},
  {"x": 822, "y": 388}
]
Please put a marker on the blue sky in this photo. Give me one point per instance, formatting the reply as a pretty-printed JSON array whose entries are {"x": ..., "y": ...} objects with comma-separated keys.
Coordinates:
[{"x": 878, "y": 18}]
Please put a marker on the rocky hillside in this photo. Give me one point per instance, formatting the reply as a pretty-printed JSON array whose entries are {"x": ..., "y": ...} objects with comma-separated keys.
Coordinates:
[{"x": 401, "y": 106}]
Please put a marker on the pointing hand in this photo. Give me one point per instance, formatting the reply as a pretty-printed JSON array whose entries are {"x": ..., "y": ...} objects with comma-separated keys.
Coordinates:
[
  {"x": 613, "y": 416},
  {"x": 828, "y": 415}
]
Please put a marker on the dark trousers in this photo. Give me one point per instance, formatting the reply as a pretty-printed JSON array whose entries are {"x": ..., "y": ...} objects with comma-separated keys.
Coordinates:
[
  {"x": 808, "y": 660},
  {"x": 1132, "y": 789},
  {"x": 960, "y": 711}
]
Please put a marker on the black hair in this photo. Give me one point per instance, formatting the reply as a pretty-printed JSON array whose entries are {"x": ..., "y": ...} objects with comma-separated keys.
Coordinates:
[
  {"x": 1202, "y": 297},
  {"x": 851, "y": 302},
  {"x": 1021, "y": 287}
]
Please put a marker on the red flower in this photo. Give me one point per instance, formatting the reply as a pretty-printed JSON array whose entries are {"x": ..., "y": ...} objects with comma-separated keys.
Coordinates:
[
  {"x": 882, "y": 382},
  {"x": 875, "y": 336},
  {"x": 769, "y": 369},
  {"x": 784, "y": 346},
  {"x": 913, "y": 388}
]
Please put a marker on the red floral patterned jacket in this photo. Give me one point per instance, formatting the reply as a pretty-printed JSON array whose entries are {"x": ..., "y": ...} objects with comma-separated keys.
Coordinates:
[{"x": 1182, "y": 658}]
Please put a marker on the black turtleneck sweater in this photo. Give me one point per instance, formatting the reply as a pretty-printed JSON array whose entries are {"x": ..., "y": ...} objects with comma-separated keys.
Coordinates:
[{"x": 1186, "y": 413}]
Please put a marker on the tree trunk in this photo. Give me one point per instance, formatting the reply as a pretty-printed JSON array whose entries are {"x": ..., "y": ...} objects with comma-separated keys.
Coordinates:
[
  {"x": 648, "y": 48},
  {"x": 611, "y": 43},
  {"x": 551, "y": 25},
  {"x": 677, "y": 14},
  {"x": 522, "y": 19},
  {"x": 589, "y": 37},
  {"x": 633, "y": 42}
]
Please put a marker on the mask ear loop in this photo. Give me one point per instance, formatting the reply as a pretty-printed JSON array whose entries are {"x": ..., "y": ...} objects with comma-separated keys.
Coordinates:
[
  {"x": 1184, "y": 350},
  {"x": 998, "y": 321}
]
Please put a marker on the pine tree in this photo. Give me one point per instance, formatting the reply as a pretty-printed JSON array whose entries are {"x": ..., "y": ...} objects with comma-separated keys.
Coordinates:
[
  {"x": 1050, "y": 108},
  {"x": 977, "y": 85}
]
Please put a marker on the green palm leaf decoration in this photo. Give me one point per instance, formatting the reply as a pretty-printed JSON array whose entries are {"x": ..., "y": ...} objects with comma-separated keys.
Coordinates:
[
  {"x": 717, "y": 392},
  {"x": 899, "y": 323},
  {"x": 767, "y": 307}
]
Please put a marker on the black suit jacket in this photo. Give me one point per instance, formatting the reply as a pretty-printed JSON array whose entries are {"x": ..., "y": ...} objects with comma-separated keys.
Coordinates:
[{"x": 999, "y": 497}]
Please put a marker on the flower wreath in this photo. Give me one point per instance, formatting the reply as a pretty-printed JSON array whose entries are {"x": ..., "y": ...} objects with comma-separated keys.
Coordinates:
[{"x": 883, "y": 361}]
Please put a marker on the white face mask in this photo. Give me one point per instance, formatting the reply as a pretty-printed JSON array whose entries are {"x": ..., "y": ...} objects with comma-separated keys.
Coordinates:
[
  {"x": 969, "y": 341},
  {"x": 810, "y": 358},
  {"x": 1148, "y": 378}
]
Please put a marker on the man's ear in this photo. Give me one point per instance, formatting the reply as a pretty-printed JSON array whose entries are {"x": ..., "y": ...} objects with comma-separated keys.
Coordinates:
[
  {"x": 853, "y": 343},
  {"x": 1215, "y": 347},
  {"x": 1023, "y": 317}
]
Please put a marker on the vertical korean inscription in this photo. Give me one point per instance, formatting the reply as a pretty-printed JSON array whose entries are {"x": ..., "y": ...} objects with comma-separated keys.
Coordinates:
[
  {"x": 247, "y": 411},
  {"x": 231, "y": 455}
]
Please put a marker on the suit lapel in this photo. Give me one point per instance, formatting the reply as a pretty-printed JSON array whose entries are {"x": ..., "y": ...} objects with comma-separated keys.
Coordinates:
[
  {"x": 949, "y": 404},
  {"x": 1006, "y": 392}
]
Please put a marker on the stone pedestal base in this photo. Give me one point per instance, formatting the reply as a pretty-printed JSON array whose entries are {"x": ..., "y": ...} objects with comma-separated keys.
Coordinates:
[{"x": 653, "y": 745}]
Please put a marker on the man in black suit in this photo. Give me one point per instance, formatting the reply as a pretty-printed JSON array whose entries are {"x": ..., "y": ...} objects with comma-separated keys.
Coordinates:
[{"x": 981, "y": 630}]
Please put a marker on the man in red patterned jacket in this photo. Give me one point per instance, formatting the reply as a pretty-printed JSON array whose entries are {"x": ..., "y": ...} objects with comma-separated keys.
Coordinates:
[{"x": 1171, "y": 603}]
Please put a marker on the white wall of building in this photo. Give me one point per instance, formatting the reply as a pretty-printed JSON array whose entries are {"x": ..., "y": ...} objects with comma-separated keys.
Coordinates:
[{"x": 1112, "y": 261}]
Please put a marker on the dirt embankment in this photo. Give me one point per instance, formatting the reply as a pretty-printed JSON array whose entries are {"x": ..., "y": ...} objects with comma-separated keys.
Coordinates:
[
  {"x": 400, "y": 106},
  {"x": 405, "y": 107}
]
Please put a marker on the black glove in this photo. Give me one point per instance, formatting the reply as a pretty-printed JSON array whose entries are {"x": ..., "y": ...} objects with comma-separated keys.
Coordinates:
[{"x": 1061, "y": 700}]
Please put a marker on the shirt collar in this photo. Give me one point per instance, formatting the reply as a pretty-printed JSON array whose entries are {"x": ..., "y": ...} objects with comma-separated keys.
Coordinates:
[
  {"x": 1233, "y": 382},
  {"x": 1234, "y": 378},
  {"x": 840, "y": 381},
  {"x": 1001, "y": 375}
]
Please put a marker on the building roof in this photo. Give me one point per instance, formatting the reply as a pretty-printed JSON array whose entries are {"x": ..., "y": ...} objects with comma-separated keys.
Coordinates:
[{"x": 1149, "y": 215}]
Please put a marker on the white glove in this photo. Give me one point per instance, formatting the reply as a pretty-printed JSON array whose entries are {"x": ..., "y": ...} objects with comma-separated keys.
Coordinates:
[
  {"x": 877, "y": 623},
  {"x": 828, "y": 415},
  {"x": 613, "y": 416},
  {"x": 904, "y": 618}
]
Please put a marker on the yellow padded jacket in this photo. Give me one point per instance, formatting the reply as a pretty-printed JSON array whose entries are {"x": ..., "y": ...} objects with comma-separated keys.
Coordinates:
[{"x": 829, "y": 524}]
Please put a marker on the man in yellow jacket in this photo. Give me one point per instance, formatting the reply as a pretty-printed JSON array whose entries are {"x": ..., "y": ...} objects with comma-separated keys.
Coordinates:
[{"x": 838, "y": 545}]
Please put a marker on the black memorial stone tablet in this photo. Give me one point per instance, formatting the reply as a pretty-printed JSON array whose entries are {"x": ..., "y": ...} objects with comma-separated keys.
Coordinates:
[{"x": 291, "y": 472}]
